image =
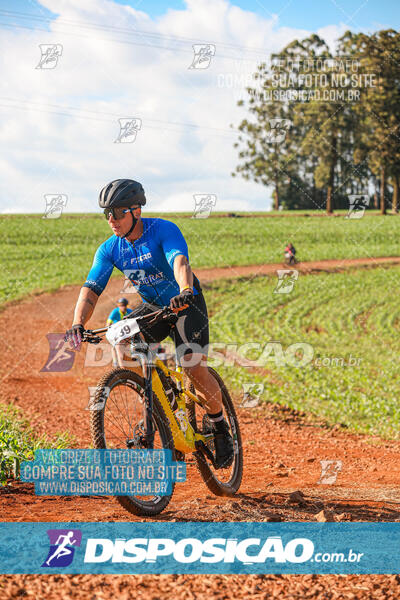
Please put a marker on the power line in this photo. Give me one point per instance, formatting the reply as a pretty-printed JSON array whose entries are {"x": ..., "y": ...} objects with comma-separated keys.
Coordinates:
[
  {"x": 147, "y": 45},
  {"x": 130, "y": 31},
  {"x": 37, "y": 106}
]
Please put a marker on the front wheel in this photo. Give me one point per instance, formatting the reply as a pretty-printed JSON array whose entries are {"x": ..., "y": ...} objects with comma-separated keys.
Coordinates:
[
  {"x": 117, "y": 418},
  {"x": 221, "y": 482}
]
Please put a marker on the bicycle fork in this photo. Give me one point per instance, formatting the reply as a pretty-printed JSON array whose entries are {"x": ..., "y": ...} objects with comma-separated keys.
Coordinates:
[
  {"x": 149, "y": 426},
  {"x": 147, "y": 370}
]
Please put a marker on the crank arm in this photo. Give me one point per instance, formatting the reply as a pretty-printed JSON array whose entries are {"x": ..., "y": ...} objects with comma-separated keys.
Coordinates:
[{"x": 201, "y": 447}]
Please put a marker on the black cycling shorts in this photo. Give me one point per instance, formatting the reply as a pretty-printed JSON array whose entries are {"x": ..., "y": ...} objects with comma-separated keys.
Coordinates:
[{"x": 190, "y": 333}]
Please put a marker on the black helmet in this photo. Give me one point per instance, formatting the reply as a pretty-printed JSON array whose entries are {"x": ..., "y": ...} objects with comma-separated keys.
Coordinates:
[
  {"x": 123, "y": 301},
  {"x": 122, "y": 192}
]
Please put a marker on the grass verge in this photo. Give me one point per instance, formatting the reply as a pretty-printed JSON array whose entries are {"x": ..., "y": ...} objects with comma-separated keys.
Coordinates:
[
  {"x": 18, "y": 442},
  {"x": 347, "y": 322},
  {"x": 45, "y": 254}
]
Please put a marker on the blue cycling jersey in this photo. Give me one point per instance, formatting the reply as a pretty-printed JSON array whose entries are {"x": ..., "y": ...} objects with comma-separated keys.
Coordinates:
[
  {"x": 147, "y": 262},
  {"x": 116, "y": 315}
]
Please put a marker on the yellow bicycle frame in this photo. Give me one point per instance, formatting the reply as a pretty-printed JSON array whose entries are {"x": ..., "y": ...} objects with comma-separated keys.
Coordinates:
[{"x": 183, "y": 433}]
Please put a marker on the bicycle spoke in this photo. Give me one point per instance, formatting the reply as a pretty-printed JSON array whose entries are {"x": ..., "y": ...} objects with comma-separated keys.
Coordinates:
[
  {"x": 118, "y": 427},
  {"x": 116, "y": 421},
  {"x": 114, "y": 402},
  {"x": 116, "y": 405},
  {"x": 127, "y": 412}
]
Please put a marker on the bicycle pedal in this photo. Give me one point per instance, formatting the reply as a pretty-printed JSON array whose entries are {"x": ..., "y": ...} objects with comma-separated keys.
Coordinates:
[{"x": 203, "y": 449}]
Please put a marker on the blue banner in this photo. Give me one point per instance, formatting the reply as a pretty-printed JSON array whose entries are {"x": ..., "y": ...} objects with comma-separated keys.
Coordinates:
[{"x": 201, "y": 548}]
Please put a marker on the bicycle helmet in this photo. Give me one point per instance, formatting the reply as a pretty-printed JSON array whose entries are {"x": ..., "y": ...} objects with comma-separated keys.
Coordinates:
[
  {"x": 122, "y": 192},
  {"x": 123, "y": 301}
]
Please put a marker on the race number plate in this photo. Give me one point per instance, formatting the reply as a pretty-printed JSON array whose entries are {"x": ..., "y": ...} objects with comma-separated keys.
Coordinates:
[{"x": 120, "y": 331}]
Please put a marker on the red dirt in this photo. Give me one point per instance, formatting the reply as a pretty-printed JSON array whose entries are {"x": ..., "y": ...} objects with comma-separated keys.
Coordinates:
[
  {"x": 314, "y": 266},
  {"x": 282, "y": 454}
]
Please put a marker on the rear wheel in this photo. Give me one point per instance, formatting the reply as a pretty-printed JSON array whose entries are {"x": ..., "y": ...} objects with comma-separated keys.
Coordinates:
[
  {"x": 117, "y": 421},
  {"x": 221, "y": 482}
]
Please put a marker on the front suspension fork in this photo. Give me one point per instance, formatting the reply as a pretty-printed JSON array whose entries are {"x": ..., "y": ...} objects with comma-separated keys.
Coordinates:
[
  {"x": 149, "y": 425},
  {"x": 147, "y": 370}
]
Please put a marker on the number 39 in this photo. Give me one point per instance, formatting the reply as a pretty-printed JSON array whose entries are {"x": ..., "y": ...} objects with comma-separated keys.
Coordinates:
[{"x": 126, "y": 329}]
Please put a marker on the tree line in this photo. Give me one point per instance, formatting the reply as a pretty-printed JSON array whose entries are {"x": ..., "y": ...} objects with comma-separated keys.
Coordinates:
[{"x": 323, "y": 125}]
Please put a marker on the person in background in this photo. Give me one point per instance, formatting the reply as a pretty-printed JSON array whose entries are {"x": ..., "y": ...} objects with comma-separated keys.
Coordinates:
[
  {"x": 116, "y": 315},
  {"x": 290, "y": 254}
]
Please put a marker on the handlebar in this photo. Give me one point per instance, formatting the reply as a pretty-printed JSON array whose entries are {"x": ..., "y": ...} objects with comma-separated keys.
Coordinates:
[{"x": 92, "y": 336}]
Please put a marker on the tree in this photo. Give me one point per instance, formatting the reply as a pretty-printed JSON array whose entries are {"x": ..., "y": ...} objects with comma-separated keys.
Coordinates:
[
  {"x": 380, "y": 107},
  {"x": 264, "y": 156},
  {"x": 307, "y": 159},
  {"x": 344, "y": 127}
]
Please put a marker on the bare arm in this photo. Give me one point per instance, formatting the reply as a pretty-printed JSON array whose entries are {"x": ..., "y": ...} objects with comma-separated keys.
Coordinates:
[
  {"x": 183, "y": 272},
  {"x": 85, "y": 306}
]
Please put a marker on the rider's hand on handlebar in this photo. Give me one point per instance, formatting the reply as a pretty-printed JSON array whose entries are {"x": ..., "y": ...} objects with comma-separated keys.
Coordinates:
[
  {"x": 181, "y": 299},
  {"x": 74, "y": 336}
]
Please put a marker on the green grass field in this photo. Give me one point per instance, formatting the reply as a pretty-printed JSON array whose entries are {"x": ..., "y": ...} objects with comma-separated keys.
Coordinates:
[
  {"x": 18, "y": 441},
  {"x": 354, "y": 314},
  {"x": 44, "y": 254}
]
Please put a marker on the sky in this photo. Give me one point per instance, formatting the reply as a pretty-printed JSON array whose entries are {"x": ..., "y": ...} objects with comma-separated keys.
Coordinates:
[{"x": 119, "y": 64}]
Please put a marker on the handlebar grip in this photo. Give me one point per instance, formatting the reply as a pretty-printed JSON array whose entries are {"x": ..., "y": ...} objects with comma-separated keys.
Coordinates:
[{"x": 176, "y": 310}]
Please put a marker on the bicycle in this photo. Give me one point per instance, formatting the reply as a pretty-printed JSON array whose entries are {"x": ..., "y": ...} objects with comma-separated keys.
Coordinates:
[
  {"x": 290, "y": 259},
  {"x": 168, "y": 414}
]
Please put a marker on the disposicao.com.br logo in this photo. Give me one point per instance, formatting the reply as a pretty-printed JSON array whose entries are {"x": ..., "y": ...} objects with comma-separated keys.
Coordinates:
[
  {"x": 212, "y": 550},
  {"x": 160, "y": 553}
]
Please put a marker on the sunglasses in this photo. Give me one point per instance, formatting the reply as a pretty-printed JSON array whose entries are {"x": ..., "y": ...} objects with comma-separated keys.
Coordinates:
[{"x": 117, "y": 213}]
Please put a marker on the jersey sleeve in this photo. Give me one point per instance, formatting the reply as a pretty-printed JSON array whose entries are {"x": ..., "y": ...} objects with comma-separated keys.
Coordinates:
[
  {"x": 101, "y": 270},
  {"x": 172, "y": 241}
]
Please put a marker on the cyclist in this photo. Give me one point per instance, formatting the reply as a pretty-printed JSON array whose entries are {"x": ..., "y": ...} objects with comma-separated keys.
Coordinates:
[
  {"x": 153, "y": 253},
  {"x": 119, "y": 313},
  {"x": 116, "y": 315},
  {"x": 290, "y": 253}
]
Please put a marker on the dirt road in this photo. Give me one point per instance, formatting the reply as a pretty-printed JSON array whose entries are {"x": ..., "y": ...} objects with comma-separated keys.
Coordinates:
[
  {"x": 282, "y": 450},
  {"x": 310, "y": 267}
]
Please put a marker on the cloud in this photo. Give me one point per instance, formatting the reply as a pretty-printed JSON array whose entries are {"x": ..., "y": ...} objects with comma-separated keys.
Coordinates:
[
  {"x": 59, "y": 126},
  {"x": 331, "y": 33}
]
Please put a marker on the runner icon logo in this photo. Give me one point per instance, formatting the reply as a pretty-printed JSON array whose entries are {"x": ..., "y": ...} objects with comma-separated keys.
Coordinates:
[
  {"x": 203, "y": 54},
  {"x": 55, "y": 204},
  {"x": 278, "y": 131},
  {"x": 128, "y": 129},
  {"x": 251, "y": 394},
  {"x": 50, "y": 53},
  {"x": 286, "y": 280},
  {"x": 61, "y": 357},
  {"x": 97, "y": 403},
  {"x": 62, "y": 547},
  {"x": 357, "y": 205},
  {"x": 330, "y": 469},
  {"x": 204, "y": 203}
]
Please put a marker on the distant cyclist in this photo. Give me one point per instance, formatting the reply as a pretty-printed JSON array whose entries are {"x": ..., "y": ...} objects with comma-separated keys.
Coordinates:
[
  {"x": 290, "y": 254},
  {"x": 116, "y": 315},
  {"x": 154, "y": 255}
]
